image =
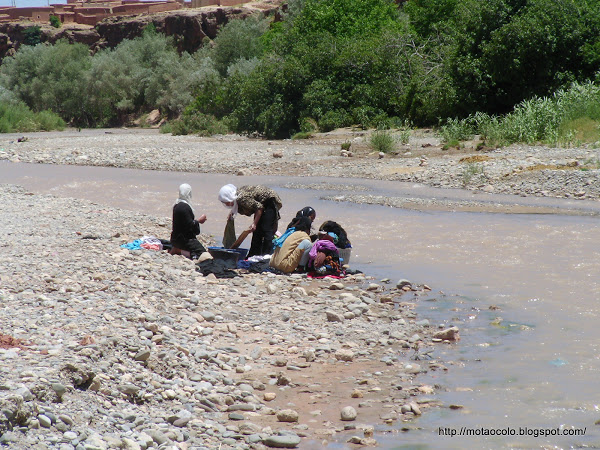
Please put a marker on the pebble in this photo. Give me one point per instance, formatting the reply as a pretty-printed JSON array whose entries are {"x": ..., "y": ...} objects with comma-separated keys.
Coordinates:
[
  {"x": 344, "y": 355},
  {"x": 70, "y": 435},
  {"x": 357, "y": 393},
  {"x": 282, "y": 441},
  {"x": 334, "y": 317},
  {"x": 269, "y": 396},
  {"x": 44, "y": 421},
  {"x": 287, "y": 415},
  {"x": 348, "y": 413},
  {"x": 448, "y": 334},
  {"x": 142, "y": 355},
  {"x": 402, "y": 283}
]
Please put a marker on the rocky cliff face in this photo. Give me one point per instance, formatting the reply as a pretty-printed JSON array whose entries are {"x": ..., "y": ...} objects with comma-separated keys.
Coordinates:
[{"x": 188, "y": 27}]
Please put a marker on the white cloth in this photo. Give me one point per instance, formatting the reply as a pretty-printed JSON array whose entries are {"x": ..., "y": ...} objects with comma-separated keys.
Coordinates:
[
  {"x": 228, "y": 194},
  {"x": 185, "y": 195}
]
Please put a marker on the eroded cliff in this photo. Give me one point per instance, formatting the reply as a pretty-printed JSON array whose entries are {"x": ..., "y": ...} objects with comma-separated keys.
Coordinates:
[{"x": 188, "y": 27}]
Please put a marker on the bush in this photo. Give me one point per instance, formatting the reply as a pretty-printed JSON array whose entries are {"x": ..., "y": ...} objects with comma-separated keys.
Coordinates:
[
  {"x": 568, "y": 115},
  {"x": 17, "y": 117},
  {"x": 55, "y": 22},
  {"x": 382, "y": 141},
  {"x": 308, "y": 125},
  {"x": 302, "y": 135},
  {"x": 199, "y": 124},
  {"x": 457, "y": 130},
  {"x": 32, "y": 36},
  {"x": 334, "y": 119}
]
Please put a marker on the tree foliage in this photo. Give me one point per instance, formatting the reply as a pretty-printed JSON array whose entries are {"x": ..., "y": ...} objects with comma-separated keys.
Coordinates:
[
  {"x": 50, "y": 77},
  {"x": 330, "y": 63}
]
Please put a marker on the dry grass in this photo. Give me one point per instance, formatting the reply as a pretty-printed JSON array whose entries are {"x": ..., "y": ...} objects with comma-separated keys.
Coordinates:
[{"x": 474, "y": 159}]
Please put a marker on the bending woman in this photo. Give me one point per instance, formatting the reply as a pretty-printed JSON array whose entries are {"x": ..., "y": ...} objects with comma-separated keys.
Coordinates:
[
  {"x": 294, "y": 250},
  {"x": 264, "y": 204},
  {"x": 185, "y": 226}
]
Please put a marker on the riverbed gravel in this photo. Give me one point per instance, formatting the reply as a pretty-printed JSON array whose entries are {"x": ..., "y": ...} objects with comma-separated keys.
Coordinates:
[
  {"x": 103, "y": 347},
  {"x": 517, "y": 169}
]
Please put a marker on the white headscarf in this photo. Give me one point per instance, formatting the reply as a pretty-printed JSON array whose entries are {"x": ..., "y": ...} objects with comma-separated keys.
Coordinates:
[
  {"x": 185, "y": 195},
  {"x": 228, "y": 193}
]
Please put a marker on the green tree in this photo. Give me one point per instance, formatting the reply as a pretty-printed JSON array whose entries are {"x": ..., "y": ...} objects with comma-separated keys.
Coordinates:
[
  {"x": 50, "y": 78},
  {"x": 55, "y": 22},
  {"x": 238, "y": 39},
  {"x": 32, "y": 35}
]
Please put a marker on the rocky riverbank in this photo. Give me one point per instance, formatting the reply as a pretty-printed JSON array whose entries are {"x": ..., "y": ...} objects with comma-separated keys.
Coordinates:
[
  {"x": 102, "y": 347},
  {"x": 519, "y": 170}
]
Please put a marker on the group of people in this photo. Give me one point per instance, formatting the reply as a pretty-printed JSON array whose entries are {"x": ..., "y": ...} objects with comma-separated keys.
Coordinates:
[{"x": 295, "y": 249}]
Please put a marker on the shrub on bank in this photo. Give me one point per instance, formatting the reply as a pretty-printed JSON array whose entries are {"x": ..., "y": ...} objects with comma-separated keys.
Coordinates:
[
  {"x": 382, "y": 141},
  {"x": 197, "y": 123},
  {"x": 17, "y": 118},
  {"x": 570, "y": 116}
]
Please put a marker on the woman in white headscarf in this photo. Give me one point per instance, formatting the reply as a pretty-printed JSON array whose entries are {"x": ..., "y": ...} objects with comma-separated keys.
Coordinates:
[
  {"x": 185, "y": 226},
  {"x": 262, "y": 202}
]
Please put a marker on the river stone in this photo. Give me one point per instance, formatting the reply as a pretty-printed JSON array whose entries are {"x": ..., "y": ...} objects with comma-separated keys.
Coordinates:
[
  {"x": 401, "y": 283},
  {"x": 253, "y": 439},
  {"x": 357, "y": 393},
  {"x": 25, "y": 393},
  {"x": 44, "y": 421},
  {"x": 180, "y": 419},
  {"x": 8, "y": 437},
  {"x": 236, "y": 416},
  {"x": 344, "y": 355},
  {"x": 70, "y": 435},
  {"x": 348, "y": 413},
  {"x": 59, "y": 388},
  {"x": 142, "y": 355},
  {"x": 282, "y": 441},
  {"x": 287, "y": 415},
  {"x": 415, "y": 408},
  {"x": 208, "y": 316},
  {"x": 158, "y": 437},
  {"x": 241, "y": 407},
  {"x": 256, "y": 352},
  {"x": 66, "y": 419},
  {"x": 269, "y": 396},
  {"x": 449, "y": 334},
  {"x": 128, "y": 389},
  {"x": 334, "y": 317},
  {"x": 337, "y": 286}
]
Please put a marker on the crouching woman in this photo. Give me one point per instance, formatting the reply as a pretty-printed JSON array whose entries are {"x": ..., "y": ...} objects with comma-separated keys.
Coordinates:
[
  {"x": 293, "y": 252},
  {"x": 185, "y": 226}
]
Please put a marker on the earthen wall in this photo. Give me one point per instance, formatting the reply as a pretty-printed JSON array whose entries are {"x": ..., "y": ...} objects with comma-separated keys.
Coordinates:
[{"x": 90, "y": 13}]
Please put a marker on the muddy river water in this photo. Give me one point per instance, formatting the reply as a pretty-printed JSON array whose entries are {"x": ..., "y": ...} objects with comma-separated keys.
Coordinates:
[{"x": 528, "y": 365}]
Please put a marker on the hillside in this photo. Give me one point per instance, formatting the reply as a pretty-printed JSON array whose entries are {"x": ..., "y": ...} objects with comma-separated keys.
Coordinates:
[{"x": 189, "y": 27}]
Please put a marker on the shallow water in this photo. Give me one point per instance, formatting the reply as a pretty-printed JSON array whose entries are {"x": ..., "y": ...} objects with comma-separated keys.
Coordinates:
[{"x": 538, "y": 368}]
